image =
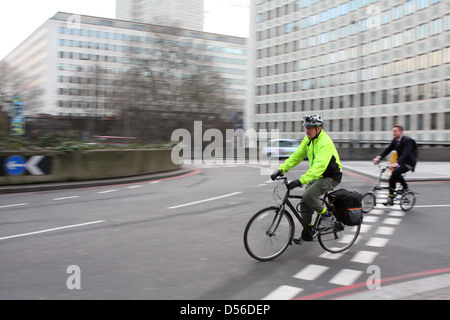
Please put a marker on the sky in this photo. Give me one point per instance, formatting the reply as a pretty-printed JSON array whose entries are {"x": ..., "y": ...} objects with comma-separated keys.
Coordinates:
[{"x": 20, "y": 18}]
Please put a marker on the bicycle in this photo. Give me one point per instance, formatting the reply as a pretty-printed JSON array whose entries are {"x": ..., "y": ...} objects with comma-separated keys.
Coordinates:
[
  {"x": 271, "y": 230},
  {"x": 407, "y": 199}
]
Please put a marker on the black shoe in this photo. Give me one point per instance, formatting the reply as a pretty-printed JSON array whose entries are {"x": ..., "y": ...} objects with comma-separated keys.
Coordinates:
[
  {"x": 306, "y": 236},
  {"x": 390, "y": 201}
]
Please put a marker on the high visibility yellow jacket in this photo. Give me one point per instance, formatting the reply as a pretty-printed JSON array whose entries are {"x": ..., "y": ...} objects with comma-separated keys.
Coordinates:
[{"x": 322, "y": 156}]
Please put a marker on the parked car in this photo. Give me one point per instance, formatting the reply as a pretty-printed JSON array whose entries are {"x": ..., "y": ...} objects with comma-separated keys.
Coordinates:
[{"x": 279, "y": 148}]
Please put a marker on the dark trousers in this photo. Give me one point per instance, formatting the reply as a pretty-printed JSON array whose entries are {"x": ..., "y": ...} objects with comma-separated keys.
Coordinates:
[{"x": 396, "y": 176}]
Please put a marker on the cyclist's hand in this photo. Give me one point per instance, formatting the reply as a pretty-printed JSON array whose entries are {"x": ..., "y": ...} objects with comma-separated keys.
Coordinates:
[
  {"x": 276, "y": 174},
  {"x": 294, "y": 184},
  {"x": 376, "y": 160}
]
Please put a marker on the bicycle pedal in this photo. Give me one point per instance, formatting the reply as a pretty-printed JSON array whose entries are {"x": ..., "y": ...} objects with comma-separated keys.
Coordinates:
[{"x": 298, "y": 241}]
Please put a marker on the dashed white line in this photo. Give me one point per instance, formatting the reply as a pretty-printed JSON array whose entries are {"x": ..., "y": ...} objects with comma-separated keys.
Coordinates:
[
  {"x": 132, "y": 187},
  {"x": 107, "y": 191},
  {"x": 346, "y": 277},
  {"x": 205, "y": 200},
  {"x": 65, "y": 198},
  {"x": 52, "y": 229},
  {"x": 311, "y": 272},
  {"x": 385, "y": 230},
  {"x": 14, "y": 205},
  {"x": 393, "y": 221},
  {"x": 377, "y": 242},
  {"x": 364, "y": 256},
  {"x": 283, "y": 293}
]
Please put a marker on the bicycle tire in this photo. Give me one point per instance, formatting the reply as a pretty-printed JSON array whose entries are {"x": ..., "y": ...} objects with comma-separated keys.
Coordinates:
[
  {"x": 407, "y": 201},
  {"x": 368, "y": 202},
  {"x": 338, "y": 238},
  {"x": 262, "y": 246}
]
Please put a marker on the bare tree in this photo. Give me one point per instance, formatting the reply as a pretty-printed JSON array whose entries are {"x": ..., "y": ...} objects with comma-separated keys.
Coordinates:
[{"x": 169, "y": 81}]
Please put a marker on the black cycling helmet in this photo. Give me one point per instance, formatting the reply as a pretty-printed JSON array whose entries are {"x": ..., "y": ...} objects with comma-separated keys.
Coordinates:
[{"x": 314, "y": 120}]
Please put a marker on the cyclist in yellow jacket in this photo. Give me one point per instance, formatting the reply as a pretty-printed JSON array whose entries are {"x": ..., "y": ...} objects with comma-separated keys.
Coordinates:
[{"x": 324, "y": 173}]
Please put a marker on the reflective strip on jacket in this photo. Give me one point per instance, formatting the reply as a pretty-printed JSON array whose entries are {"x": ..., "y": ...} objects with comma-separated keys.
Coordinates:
[{"x": 322, "y": 156}]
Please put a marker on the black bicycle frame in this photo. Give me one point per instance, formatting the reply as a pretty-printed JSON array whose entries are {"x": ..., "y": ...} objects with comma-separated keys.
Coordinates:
[{"x": 282, "y": 209}]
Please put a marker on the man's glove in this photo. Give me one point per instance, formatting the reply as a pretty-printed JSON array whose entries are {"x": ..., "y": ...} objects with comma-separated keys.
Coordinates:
[
  {"x": 294, "y": 184},
  {"x": 276, "y": 174}
]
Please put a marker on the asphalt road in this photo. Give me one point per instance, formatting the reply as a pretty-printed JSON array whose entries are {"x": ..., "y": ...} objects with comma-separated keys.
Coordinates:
[{"x": 181, "y": 238}]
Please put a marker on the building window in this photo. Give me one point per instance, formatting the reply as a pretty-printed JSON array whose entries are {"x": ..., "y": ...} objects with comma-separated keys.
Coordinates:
[
  {"x": 420, "y": 122},
  {"x": 447, "y": 120},
  {"x": 407, "y": 122},
  {"x": 433, "y": 121}
]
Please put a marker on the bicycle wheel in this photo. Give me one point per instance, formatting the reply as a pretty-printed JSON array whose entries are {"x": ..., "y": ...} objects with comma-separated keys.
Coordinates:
[
  {"x": 339, "y": 237},
  {"x": 407, "y": 201},
  {"x": 368, "y": 202},
  {"x": 268, "y": 234}
]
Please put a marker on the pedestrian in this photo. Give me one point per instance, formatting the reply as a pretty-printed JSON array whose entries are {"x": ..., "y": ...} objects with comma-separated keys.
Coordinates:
[
  {"x": 324, "y": 173},
  {"x": 406, "y": 160}
]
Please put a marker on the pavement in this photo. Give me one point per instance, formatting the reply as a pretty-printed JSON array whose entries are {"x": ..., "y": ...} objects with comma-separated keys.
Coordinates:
[
  {"x": 432, "y": 287},
  {"x": 424, "y": 171}
]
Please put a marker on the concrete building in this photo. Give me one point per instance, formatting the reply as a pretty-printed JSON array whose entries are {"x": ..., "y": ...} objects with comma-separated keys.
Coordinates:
[
  {"x": 60, "y": 59},
  {"x": 186, "y": 14},
  {"x": 364, "y": 65}
]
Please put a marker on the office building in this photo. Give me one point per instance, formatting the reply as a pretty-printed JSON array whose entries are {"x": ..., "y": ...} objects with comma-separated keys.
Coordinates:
[
  {"x": 364, "y": 65},
  {"x": 72, "y": 64},
  {"x": 186, "y": 14}
]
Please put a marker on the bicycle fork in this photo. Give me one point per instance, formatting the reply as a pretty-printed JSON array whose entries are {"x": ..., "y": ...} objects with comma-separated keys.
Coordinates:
[{"x": 275, "y": 222}]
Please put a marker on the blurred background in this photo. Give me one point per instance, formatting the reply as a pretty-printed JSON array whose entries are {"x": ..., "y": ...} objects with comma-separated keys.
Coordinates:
[{"x": 145, "y": 68}]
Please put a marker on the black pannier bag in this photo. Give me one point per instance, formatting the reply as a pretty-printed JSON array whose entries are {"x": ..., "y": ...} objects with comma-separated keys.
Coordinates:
[{"x": 347, "y": 205}]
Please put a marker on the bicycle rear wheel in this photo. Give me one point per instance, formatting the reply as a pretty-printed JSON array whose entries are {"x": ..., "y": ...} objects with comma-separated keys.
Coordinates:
[
  {"x": 268, "y": 233},
  {"x": 407, "y": 201},
  {"x": 339, "y": 237},
  {"x": 368, "y": 202}
]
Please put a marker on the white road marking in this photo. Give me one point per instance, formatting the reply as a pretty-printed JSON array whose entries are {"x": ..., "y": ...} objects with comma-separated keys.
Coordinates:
[
  {"x": 65, "y": 198},
  {"x": 364, "y": 256},
  {"x": 14, "y": 205},
  {"x": 370, "y": 219},
  {"x": 52, "y": 229},
  {"x": 283, "y": 293},
  {"x": 107, "y": 191},
  {"x": 205, "y": 200},
  {"x": 346, "y": 277},
  {"x": 311, "y": 272},
  {"x": 433, "y": 206},
  {"x": 377, "y": 242},
  {"x": 394, "y": 221},
  {"x": 385, "y": 230}
]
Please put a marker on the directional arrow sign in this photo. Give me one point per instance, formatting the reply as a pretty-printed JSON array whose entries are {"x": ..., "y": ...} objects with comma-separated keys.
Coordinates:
[
  {"x": 34, "y": 165},
  {"x": 15, "y": 165}
]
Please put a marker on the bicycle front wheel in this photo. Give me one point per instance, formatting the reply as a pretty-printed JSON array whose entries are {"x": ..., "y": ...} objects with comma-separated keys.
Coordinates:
[
  {"x": 407, "y": 201},
  {"x": 368, "y": 202},
  {"x": 268, "y": 233},
  {"x": 339, "y": 237}
]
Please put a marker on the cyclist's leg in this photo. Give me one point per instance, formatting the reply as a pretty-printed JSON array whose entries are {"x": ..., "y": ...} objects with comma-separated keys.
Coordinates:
[
  {"x": 315, "y": 189},
  {"x": 397, "y": 176},
  {"x": 311, "y": 197}
]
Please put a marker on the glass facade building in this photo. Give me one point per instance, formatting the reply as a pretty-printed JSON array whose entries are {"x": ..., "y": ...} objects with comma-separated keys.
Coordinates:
[{"x": 364, "y": 65}]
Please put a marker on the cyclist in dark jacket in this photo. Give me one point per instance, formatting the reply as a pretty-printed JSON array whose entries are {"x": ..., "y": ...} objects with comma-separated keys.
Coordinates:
[{"x": 406, "y": 160}]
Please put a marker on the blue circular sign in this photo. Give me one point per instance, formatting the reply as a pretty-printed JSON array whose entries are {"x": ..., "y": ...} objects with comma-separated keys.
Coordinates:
[{"x": 15, "y": 165}]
